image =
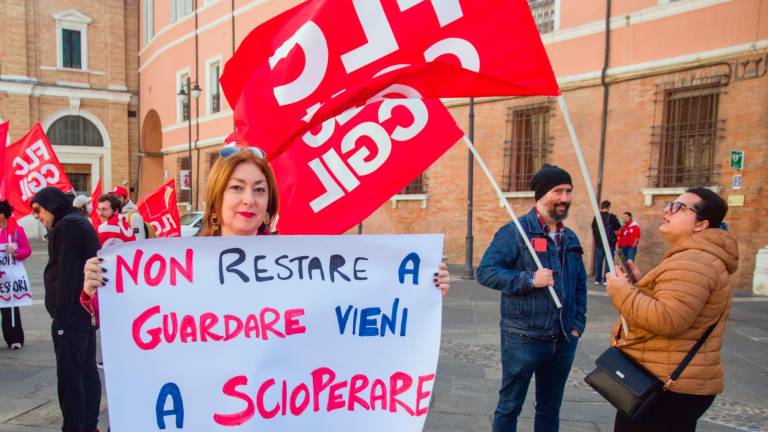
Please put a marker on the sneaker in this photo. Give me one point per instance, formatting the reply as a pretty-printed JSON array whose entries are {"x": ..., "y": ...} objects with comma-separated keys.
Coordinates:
[
  {"x": 15, "y": 346},
  {"x": 597, "y": 283}
]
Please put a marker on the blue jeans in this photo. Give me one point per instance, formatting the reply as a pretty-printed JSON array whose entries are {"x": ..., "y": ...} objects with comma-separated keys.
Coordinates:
[
  {"x": 521, "y": 358},
  {"x": 599, "y": 262},
  {"x": 629, "y": 252}
]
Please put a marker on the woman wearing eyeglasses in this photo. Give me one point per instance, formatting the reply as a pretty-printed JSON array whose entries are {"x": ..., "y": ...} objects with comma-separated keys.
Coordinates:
[
  {"x": 242, "y": 201},
  {"x": 14, "y": 241},
  {"x": 674, "y": 304}
]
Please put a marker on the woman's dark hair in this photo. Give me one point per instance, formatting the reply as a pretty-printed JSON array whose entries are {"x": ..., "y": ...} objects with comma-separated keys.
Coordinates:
[
  {"x": 6, "y": 209},
  {"x": 711, "y": 208},
  {"x": 114, "y": 201}
]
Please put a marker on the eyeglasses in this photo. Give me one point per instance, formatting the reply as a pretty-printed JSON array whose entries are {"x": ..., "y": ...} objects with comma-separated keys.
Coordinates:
[
  {"x": 675, "y": 206},
  {"x": 230, "y": 150}
]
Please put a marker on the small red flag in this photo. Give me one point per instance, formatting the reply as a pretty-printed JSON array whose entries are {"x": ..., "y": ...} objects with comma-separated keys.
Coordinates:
[
  {"x": 95, "y": 194},
  {"x": 31, "y": 165},
  {"x": 159, "y": 210}
]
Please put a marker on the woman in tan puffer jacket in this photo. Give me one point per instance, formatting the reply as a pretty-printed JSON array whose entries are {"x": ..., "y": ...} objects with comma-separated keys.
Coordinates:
[{"x": 674, "y": 304}]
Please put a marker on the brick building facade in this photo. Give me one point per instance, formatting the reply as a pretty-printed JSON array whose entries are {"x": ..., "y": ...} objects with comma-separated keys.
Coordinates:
[
  {"x": 687, "y": 82},
  {"x": 672, "y": 123},
  {"x": 71, "y": 66},
  {"x": 630, "y": 180}
]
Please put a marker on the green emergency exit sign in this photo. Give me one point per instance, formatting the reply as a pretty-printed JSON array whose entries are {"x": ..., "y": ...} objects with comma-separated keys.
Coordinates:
[{"x": 737, "y": 159}]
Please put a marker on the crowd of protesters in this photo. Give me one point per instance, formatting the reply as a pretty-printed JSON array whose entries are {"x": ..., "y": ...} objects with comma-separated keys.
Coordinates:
[{"x": 667, "y": 310}]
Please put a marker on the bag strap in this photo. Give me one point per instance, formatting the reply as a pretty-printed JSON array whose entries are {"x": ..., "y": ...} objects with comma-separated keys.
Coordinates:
[{"x": 688, "y": 357}]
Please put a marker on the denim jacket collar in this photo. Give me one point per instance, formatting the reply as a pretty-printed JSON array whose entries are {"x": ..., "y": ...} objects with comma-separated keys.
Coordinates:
[{"x": 530, "y": 223}]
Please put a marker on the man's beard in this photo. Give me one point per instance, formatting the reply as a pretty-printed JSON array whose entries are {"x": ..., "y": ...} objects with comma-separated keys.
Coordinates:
[{"x": 555, "y": 216}]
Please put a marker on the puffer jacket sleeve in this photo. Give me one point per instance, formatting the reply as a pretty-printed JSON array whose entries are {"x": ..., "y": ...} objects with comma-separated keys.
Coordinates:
[{"x": 680, "y": 293}]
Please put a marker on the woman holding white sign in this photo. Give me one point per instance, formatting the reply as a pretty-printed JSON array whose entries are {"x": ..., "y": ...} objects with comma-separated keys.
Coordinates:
[
  {"x": 13, "y": 240},
  {"x": 242, "y": 201}
]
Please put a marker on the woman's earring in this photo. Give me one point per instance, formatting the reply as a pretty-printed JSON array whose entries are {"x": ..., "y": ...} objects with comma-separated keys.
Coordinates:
[
  {"x": 215, "y": 221},
  {"x": 266, "y": 218}
]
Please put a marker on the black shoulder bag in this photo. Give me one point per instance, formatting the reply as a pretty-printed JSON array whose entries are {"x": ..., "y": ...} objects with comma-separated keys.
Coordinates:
[{"x": 629, "y": 386}]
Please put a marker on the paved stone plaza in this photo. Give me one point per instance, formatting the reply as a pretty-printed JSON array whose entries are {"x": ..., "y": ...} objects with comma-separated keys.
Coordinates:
[{"x": 468, "y": 372}]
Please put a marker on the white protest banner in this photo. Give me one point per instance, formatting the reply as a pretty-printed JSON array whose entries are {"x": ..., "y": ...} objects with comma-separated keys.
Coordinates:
[
  {"x": 271, "y": 333},
  {"x": 15, "y": 289}
]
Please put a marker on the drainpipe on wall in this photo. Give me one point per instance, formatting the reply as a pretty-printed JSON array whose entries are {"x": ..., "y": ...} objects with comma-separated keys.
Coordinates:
[
  {"x": 233, "y": 28},
  {"x": 139, "y": 153},
  {"x": 469, "y": 271},
  {"x": 604, "y": 115}
]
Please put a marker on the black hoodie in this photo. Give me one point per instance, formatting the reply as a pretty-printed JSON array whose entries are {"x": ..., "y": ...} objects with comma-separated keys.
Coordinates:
[{"x": 71, "y": 241}]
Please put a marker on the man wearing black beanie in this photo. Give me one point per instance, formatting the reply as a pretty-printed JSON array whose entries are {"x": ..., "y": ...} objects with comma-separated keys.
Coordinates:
[{"x": 537, "y": 337}]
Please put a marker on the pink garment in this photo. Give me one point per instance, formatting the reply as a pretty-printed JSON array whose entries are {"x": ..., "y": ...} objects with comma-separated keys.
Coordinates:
[{"x": 18, "y": 236}]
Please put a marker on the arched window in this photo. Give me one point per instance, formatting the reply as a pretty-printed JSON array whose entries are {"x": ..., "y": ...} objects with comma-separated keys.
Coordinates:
[{"x": 74, "y": 130}]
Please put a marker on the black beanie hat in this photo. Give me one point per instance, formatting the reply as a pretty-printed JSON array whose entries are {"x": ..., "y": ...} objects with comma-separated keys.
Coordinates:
[{"x": 548, "y": 177}]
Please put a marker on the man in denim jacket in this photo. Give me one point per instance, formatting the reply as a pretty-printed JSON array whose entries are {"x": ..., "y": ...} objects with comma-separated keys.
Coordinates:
[{"x": 536, "y": 336}]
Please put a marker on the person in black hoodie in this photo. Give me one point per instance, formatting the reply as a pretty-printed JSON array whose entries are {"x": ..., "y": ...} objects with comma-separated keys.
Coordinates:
[{"x": 71, "y": 241}]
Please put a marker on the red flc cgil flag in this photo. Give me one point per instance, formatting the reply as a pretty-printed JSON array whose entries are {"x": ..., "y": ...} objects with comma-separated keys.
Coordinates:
[
  {"x": 159, "y": 209},
  {"x": 31, "y": 165},
  {"x": 322, "y": 57},
  {"x": 95, "y": 194},
  {"x": 344, "y": 172}
]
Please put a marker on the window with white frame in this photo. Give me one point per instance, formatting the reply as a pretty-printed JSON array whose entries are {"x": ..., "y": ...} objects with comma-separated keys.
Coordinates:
[
  {"x": 149, "y": 21},
  {"x": 213, "y": 89},
  {"x": 180, "y": 9},
  {"x": 182, "y": 104},
  {"x": 71, "y": 39},
  {"x": 73, "y": 130}
]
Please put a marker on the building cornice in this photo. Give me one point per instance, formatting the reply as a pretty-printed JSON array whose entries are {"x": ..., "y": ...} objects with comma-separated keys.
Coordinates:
[
  {"x": 625, "y": 20},
  {"x": 640, "y": 70},
  {"x": 30, "y": 87}
]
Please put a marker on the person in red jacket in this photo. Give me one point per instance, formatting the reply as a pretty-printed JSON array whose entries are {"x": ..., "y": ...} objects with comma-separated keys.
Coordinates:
[{"x": 629, "y": 236}]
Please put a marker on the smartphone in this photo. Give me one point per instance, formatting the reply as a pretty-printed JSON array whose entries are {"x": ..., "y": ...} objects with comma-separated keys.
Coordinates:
[{"x": 625, "y": 267}]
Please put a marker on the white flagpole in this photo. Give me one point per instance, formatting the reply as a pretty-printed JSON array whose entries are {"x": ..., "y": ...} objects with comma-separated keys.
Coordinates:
[
  {"x": 590, "y": 192},
  {"x": 13, "y": 315},
  {"x": 519, "y": 227}
]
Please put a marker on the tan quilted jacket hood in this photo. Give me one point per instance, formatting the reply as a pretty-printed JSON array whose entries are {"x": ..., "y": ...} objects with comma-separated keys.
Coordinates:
[{"x": 672, "y": 307}]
